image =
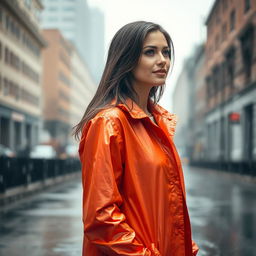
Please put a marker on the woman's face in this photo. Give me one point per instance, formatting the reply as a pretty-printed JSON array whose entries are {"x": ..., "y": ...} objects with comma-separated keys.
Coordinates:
[{"x": 154, "y": 62}]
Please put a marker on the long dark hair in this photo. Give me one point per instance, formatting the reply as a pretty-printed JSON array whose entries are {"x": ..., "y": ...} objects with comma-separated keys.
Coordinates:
[{"x": 123, "y": 56}]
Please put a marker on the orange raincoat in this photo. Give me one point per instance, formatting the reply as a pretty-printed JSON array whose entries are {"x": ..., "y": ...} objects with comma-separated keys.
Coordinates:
[{"x": 133, "y": 188}]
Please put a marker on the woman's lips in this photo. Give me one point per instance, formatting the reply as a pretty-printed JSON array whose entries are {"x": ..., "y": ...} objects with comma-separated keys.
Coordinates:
[{"x": 162, "y": 73}]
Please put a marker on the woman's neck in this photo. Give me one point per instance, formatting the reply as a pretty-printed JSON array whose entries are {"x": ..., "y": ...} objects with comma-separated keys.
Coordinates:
[{"x": 143, "y": 95}]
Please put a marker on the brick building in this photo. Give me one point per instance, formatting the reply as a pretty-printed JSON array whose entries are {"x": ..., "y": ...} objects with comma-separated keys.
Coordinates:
[{"x": 231, "y": 81}]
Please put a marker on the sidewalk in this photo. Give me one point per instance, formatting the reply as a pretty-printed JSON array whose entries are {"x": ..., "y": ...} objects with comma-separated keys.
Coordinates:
[{"x": 50, "y": 224}]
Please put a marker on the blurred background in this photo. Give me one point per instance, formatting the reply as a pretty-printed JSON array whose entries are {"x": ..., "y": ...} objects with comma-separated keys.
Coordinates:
[{"x": 52, "y": 54}]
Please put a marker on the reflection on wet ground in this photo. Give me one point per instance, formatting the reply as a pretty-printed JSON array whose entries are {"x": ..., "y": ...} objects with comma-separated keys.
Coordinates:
[
  {"x": 50, "y": 225},
  {"x": 222, "y": 210}
]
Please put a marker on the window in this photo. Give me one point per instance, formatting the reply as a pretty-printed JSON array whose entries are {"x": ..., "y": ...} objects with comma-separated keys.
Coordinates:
[
  {"x": 64, "y": 79},
  {"x": 0, "y": 83},
  {"x": 7, "y": 22},
  {"x": 6, "y": 58},
  {"x": 216, "y": 79},
  {"x": 247, "y": 5},
  {"x": 217, "y": 39},
  {"x": 10, "y": 88},
  {"x": 18, "y": 93},
  {"x": 12, "y": 26},
  {"x": 17, "y": 32},
  {"x": 247, "y": 45},
  {"x": 11, "y": 58},
  {"x": 232, "y": 20},
  {"x": 223, "y": 31},
  {"x": 65, "y": 60},
  {"x": 6, "y": 87},
  {"x": 65, "y": 45},
  {"x": 209, "y": 51},
  {"x": 18, "y": 63},
  {"x": 230, "y": 58},
  {"x": 63, "y": 96},
  {"x": 217, "y": 14},
  {"x": 29, "y": 72},
  {"x": 224, "y": 5},
  {"x": 30, "y": 44},
  {"x": 1, "y": 15},
  {"x": 223, "y": 74},
  {"x": 28, "y": 97},
  {"x": 208, "y": 88},
  {"x": 0, "y": 50}
]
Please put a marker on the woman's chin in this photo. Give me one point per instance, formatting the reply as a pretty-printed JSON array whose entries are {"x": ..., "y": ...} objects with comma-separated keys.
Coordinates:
[{"x": 159, "y": 83}]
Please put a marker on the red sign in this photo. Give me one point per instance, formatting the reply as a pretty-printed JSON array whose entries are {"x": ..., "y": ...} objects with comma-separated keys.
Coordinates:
[{"x": 234, "y": 117}]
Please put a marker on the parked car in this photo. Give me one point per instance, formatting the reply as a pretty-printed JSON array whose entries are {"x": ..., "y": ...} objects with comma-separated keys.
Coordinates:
[
  {"x": 72, "y": 150},
  {"x": 43, "y": 151},
  {"x": 6, "y": 152}
]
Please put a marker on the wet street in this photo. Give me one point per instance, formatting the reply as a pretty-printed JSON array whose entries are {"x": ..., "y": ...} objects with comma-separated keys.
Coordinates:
[
  {"x": 47, "y": 225},
  {"x": 222, "y": 210}
]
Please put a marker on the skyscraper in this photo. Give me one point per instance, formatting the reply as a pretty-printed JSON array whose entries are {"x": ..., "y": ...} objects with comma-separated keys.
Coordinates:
[{"x": 81, "y": 25}]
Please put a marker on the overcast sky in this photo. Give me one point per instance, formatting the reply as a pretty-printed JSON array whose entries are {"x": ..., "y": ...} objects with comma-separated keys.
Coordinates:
[{"x": 183, "y": 19}]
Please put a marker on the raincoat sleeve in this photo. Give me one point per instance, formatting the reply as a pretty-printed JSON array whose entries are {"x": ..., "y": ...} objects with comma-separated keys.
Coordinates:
[{"x": 101, "y": 154}]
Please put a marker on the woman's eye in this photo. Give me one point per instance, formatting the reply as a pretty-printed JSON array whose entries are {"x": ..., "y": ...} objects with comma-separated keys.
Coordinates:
[
  {"x": 149, "y": 52},
  {"x": 166, "y": 53}
]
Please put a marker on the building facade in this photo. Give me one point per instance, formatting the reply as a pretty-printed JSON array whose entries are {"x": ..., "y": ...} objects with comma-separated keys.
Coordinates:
[
  {"x": 67, "y": 88},
  {"x": 56, "y": 87},
  {"x": 196, "y": 121},
  {"x": 81, "y": 25},
  {"x": 189, "y": 105},
  {"x": 83, "y": 88},
  {"x": 231, "y": 81},
  {"x": 20, "y": 73},
  {"x": 181, "y": 109}
]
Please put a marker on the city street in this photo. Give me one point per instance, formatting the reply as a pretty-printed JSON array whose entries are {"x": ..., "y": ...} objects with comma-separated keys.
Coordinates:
[
  {"x": 222, "y": 210},
  {"x": 62, "y": 63},
  {"x": 47, "y": 225}
]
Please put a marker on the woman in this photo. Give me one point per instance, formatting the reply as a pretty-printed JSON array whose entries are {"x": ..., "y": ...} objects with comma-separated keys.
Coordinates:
[{"x": 133, "y": 189}]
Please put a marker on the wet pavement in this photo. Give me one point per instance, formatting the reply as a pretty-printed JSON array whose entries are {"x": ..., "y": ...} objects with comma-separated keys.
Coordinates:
[
  {"x": 222, "y": 210},
  {"x": 47, "y": 225}
]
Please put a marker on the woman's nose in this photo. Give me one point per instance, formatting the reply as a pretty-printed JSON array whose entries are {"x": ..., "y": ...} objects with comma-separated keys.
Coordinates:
[{"x": 161, "y": 59}]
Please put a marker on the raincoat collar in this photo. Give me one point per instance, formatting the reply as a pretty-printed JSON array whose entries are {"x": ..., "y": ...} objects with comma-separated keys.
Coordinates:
[
  {"x": 137, "y": 113},
  {"x": 167, "y": 121}
]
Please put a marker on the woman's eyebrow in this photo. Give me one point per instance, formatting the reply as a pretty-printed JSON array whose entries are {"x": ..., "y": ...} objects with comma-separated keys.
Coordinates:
[{"x": 154, "y": 47}]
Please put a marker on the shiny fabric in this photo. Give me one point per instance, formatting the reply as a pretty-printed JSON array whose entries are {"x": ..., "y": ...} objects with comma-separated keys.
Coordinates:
[{"x": 134, "y": 199}]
